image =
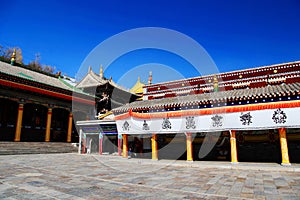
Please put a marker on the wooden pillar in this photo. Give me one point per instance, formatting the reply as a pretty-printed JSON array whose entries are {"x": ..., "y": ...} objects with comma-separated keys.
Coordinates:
[
  {"x": 19, "y": 123},
  {"x": 83, "y": 143},
  {"x": 100, "y": 143},
  {"x": 80, "y": 142},
  {"x": 70, "y": 125},
  {"x": 154, "y": 147},
  {"x": 119, "y": 144},
  {"x": 284, "y": 147},
  {"x": 125, "y": 145},
  {"x": 189, "y": 147},
  {"x": 233, "y": 149},
  {"x": 48, "y": 125}
]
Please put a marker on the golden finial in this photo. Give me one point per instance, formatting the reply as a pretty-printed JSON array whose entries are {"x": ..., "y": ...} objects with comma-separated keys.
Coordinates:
[
  {"x": 150, "y": 78},
  {"x": 216, "y": 84},
  {"x": 13, "y": 57},
  {"x": 101, "y": 74}
]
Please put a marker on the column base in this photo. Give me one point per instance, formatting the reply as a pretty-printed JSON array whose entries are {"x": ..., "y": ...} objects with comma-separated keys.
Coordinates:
[
  {"x": 154, "y": 159},
  {"x": 285, "y": 164},
  {"x": 234, "y": 163},
  {"x": 189, "y": 160}
]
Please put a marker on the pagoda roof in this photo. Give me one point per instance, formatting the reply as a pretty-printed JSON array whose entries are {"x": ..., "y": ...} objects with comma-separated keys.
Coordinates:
[
  {"x": 223, "y": 98},
  {"x": 91, "y": 80},
  {"x": 94, "y": 80},
  {"x": 138, "y": 87}
]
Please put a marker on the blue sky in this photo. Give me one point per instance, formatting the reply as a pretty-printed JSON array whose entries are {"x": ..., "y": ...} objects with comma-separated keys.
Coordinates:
[{"x": 236, "y": 34}]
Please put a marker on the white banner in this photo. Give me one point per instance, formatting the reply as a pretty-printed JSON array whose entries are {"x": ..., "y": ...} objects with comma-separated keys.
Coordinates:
[{"x": 249, "y": 120}]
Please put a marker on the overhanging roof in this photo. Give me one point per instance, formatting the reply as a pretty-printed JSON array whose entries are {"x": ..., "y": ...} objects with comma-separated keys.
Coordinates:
[{"x": 223, "y": 96}]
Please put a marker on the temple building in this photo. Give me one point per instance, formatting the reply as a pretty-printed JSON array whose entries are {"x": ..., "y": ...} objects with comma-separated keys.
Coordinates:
[
  {"x": 110, "y": 95},
  {"x": 35, "y": 106},
  {"x": 245, "y": 115},
  {"x": 38, "y": 106},
  {"x": 101, "y": 135}
]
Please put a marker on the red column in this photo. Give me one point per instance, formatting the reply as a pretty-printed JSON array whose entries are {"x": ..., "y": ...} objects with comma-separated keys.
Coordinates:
[
  {"x": 83, "y": 145},
  {"x": 120, "y": 145},
  {"x": 125, "y": 146},
  {"x": 100, "y": 143}
]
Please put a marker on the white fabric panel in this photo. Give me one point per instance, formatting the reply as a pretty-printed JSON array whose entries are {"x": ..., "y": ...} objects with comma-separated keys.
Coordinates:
[{"x": 251, "y": 120}]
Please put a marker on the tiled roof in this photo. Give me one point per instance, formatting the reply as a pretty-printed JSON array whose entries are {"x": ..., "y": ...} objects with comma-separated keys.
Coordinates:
[
  {"x": 234, "y": 79},
  {"x": 270, "y": 91},
  {"x": 31, "y": 75},
  {"x": 93, "y": 80}
]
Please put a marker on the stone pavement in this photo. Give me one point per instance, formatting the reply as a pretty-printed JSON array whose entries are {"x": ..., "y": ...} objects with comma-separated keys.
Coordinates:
[{"x": 73, "y": 176}]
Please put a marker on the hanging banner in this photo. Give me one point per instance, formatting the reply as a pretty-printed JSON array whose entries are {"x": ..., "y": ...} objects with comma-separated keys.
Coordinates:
[{"x": 248, "y": 120}]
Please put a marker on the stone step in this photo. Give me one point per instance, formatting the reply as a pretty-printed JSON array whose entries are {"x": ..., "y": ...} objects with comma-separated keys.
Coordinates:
[{"x": 15, "y": 148}]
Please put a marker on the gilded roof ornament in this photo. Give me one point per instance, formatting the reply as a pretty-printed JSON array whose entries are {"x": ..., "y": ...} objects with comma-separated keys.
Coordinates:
[
  {"x": 150, "y": 78},
  {"x": 13, "y": 57},
  {"x": 216, "y": 84},
  {"x": 101, "y": 74}
]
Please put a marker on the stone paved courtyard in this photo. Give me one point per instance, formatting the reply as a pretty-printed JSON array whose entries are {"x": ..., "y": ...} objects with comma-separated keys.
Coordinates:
[{"x": 73, "y": 176}]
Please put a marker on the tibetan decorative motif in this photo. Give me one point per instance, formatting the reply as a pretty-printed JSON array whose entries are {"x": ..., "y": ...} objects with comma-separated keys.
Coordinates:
[
  {"x": 279, "y": 117},
  {"x": 145, "y": 126},
  {"x": 166, "y": 123},
  {"x": 217, "y": 121},
  {"x": 126, "y": 126},
  {"x": 246, "y": 118},
  {"x": 190, "y": 122}
]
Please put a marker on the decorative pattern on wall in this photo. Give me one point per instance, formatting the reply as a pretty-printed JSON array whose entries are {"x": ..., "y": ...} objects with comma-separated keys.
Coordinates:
[
  {"x": 126, "y": 126},
  {"x": 279, "y": 117},
  {"x": 246, "y": 118},
  {"x": 217, "y": 121},
  {"x": 190, "y": 122},
  {"x": 145, "y": 126},
  {"x": 166, "y": 123}
]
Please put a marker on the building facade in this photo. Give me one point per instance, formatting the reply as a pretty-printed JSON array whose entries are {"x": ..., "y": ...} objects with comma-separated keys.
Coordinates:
[
  {"x": 245, "y": 115},
  {"x": 38, "y": 107}
]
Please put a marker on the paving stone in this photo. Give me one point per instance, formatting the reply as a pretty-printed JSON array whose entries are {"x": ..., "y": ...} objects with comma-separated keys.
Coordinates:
[{"x": 73, "y": 176}]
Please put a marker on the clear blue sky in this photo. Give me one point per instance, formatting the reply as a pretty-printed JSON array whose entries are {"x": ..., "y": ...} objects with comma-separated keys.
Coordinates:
[{"x": 236, "y": 34}]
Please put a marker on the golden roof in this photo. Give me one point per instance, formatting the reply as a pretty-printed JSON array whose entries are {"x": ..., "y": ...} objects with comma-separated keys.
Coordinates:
[{"x": 138, "y": 87}]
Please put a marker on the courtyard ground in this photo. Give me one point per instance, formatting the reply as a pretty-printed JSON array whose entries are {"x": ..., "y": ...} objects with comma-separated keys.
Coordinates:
[{"x": 74, "y": 176}]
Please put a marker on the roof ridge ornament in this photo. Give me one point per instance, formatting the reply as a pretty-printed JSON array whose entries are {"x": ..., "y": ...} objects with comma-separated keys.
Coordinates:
[
  {"x": 13, "y": 57},
  {"x": 216, "y": 84},
  {"x": 101, "y": 73},
  {"x": 150, "y": 78}
]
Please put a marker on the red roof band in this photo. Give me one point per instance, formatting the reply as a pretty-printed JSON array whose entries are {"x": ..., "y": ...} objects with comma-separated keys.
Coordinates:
[
  {"x": 208, "y": 111},
  {"x": 46, "y": 92}
]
